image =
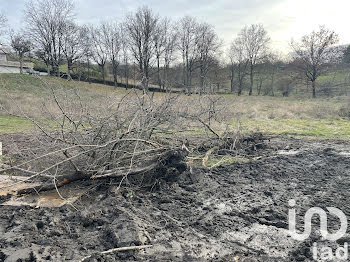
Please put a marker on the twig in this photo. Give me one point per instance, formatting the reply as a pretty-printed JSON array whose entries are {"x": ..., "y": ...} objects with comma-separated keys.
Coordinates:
[
  {"x": 119, "y": 249},
  {"x": 208, "y": 127},
  {"x": 209, "y": 152}
]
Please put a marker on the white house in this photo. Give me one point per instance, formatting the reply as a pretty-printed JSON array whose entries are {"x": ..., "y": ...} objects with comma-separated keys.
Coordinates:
[{"x": 10, "y": 66}]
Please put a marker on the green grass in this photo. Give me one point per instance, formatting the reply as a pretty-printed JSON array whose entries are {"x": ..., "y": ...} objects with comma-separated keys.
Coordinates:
[
  {"x": 337, "y": 128},
  {"x": 322, "y": 128},
  {"x": 12, "y": 124}
]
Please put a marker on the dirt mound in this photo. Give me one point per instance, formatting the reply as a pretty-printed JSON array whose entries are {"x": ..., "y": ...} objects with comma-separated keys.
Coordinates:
[{"x": 233, "y": 213}]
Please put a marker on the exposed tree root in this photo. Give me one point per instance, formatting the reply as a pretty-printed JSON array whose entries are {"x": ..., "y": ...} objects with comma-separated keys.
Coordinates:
[{"x": 172, "y": 157}]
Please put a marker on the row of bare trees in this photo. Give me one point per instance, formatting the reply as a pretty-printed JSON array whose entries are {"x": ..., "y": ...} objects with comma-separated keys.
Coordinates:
[
  {"x": 146, "y": 39},
  {"x": 199, "y": 46},
  {"x": 156, "y": 46},
  {"x": 311, "y": 57},
  {"x": 248, "y": 49}
]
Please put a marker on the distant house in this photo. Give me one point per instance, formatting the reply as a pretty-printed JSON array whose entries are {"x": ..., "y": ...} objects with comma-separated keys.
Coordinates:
[{"x": 12, "y": 67}]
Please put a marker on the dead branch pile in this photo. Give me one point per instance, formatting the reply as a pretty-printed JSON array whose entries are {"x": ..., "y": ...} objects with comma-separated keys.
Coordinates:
[
  {"x": 234, "y": 143},
  {"x": 121, "y": 137}
]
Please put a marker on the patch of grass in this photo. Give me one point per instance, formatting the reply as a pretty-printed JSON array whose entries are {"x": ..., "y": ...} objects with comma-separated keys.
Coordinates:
[
  {"x": 326, "y": 128},
  {"x": 29, "y": 84},
  {"x": 216, "y": 160},
  {"x": 11, "y": 124}
]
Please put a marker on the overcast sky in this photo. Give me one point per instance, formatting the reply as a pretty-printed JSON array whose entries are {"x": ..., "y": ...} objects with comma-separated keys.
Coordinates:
[{"x": 283, "y": 19}]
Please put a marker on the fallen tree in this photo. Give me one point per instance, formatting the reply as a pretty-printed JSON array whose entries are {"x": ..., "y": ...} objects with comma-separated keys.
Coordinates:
[{"x": 126, "y": 136}]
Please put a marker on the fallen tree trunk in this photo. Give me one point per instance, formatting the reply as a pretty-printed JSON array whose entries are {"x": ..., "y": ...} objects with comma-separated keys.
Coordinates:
[{"x": 171, "y": 157}]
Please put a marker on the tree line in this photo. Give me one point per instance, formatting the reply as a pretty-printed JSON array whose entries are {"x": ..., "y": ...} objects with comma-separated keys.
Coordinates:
[{"x": 186, "y": 53}]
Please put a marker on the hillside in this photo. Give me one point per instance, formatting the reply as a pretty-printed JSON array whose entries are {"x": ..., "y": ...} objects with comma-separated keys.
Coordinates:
[{"x": 30, "y": 96}]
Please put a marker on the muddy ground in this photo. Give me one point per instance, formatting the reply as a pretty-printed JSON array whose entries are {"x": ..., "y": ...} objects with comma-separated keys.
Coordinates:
[{"x": 233, "y": 213}]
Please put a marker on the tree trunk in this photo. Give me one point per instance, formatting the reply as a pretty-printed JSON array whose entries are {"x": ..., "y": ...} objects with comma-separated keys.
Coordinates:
[
  {"x": 144, "y": 81},
  {"x": 189, "y": 82},
  {"x": 201, "y": 85},
  {"x": 116, "y": 80},
  {"x": 184, "y": 72},
  {"x": 259, "y": 85},
  {"x": 58, "y": 71},
  {"x": 69, "y": 66},
  {"x": 126, "y": 74},
  {"x": 53, "y": 68},
  {"x": 165, "y": 77},
  {"x": 48, "y": 68},
  {"x": 80, "y": 68},
  {"x": 89, "y": 79},
  {"x": 201, "y": 88},
  {"x": 232, "y": 79},
  {"x": 158, "y": 72},
  {"x": 115, "y": 74},
  {"x": 134, "y": 76},
  {"x": 313, "y": 88},
  {"x": 251, "y": 80},
  {"x": 127, "y": 80},
  {"x": 103, "y": 74},
  {"x": 21, "y": 63},
  {"x": 239, "y": 91},
  {"x": 272, "y": 84}
]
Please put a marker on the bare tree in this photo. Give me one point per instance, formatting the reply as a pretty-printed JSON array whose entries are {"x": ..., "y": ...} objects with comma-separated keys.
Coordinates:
[
  {"x": 46, "y": 21},
  {"x": 160, "y": 45},
  {"x": 231, "y": 67},
  {"x": 171, "y": 40},
  {"x": 3, "y": 21},
  {"x": 99, "y": 49},
  {"x": 272, "y": 64},
  {"x": 112, "y": 37},
  {"x": 187, "y": 33},
  {"x": 165, "y": 45},
  {"x": 72, "y": 44},
  {"x": 87, "y": 44},
  {"x": 255, "y": 41},
  {"x": 314, "y": 52},
  {"x": 208, "y": 45},
  {"x": 142, "y": 29},
  {"x": 125, "y": 53},
  {"x": 21, "y": 45},
  {"x": 261, "y": 75},
  {"x": 239, "y": 63}
]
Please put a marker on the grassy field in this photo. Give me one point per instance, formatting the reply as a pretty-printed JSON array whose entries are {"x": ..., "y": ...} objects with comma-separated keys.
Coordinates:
[
  {"x": 24, "y": 95},
  {"x": 12, "y": 124}
]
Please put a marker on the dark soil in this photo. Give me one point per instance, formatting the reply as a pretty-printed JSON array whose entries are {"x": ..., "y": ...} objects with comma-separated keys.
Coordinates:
[{"x": 232, "y": 213}]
